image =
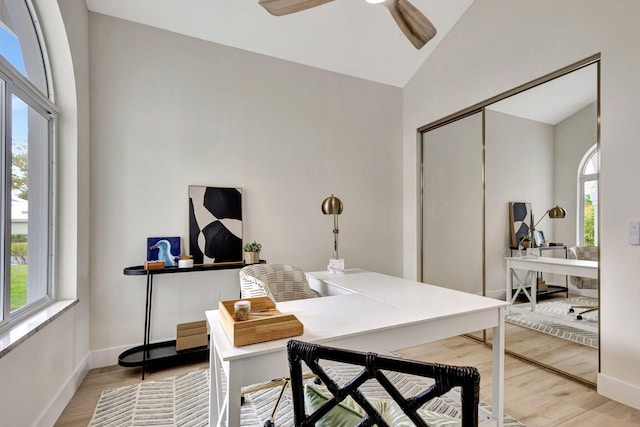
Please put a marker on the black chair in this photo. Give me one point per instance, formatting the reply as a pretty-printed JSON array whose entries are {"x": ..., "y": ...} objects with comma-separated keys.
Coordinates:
[{"x": 446, "y": 377}]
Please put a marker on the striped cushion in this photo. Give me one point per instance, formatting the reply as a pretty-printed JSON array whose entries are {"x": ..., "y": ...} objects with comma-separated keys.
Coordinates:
[
  {"x": 589, "y": 253},
  {"x": 348, "y": 413},
  {"x": 280, "y": 282}
]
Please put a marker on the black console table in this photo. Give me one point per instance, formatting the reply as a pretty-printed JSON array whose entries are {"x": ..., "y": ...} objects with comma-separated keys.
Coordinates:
[{"x": 165, "y": 351}]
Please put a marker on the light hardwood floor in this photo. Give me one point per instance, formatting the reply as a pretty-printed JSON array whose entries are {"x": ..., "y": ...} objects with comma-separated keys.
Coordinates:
[
  {"x": 574, "y": 359},
  {"x": 536, "y": 397}
]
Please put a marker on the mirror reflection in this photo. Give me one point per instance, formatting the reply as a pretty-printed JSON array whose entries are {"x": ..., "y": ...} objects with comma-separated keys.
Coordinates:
[
  {"x": 541, "y": 157},
  {"x": 539, "y": 173}
]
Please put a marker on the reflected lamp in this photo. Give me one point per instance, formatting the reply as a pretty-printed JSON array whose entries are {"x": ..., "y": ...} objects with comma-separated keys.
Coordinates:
[{"x": 555, "y": 212}]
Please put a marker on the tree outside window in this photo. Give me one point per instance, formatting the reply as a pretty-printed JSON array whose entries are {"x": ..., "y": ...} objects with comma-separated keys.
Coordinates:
[{"x": 588, "y": 182}]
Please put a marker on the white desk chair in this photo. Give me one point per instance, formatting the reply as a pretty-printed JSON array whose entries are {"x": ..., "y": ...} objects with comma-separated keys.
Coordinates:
[
  {"x": 589, "y": 253},
  {"x": 280, "y": 282}
]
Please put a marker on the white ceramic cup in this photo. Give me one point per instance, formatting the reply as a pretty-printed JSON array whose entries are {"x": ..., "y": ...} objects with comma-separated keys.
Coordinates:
[{"x": 185, "y": 263}]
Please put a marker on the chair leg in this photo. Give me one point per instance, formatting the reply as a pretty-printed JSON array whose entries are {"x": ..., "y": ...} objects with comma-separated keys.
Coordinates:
[
  {"x": 272, "y": 419},
  {"x": 269, "y": 384},
  {"x": 284, "y": 382},
  {"x": 589, "y": 308}
]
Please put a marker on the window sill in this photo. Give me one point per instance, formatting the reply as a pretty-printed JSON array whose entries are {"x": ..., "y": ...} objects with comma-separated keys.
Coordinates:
[{"x": 18, "y": 333}]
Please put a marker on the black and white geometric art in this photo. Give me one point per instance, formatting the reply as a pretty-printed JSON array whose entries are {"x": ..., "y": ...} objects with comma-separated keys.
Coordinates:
[
  {"x": 215, "y": 224},
  {"x": 520, "y": 221}
]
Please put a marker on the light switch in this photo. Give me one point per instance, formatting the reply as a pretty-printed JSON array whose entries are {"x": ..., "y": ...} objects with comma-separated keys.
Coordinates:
[{"x": 634, "y": 233}]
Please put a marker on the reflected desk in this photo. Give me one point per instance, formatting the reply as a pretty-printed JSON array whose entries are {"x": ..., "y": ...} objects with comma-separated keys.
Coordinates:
[
  {"x": 532, "y": 265},
  {"x": 367, "y": 312}
]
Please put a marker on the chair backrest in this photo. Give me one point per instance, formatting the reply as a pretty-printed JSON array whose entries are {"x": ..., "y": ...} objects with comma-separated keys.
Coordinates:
[
  {"x": 589, "y": 253},
  {"x": 446, "y": 377},
  {"x": 280, "y": 282}
]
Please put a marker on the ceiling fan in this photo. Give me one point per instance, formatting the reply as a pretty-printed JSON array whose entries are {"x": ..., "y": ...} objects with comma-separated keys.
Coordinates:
[{"x": 418, "y": 29}]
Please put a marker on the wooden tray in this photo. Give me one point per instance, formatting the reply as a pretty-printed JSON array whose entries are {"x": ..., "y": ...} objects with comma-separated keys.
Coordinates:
[{"x": 271, "y": 326}]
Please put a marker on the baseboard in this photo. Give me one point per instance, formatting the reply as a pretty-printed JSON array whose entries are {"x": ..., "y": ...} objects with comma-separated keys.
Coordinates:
[
  {"x": 499, "y": 294},
  {"x": 94, "y": 359},
  {"x": 57, "y": 405},
  {"x": 619, "y": 391},
  {"x": 106, "y": 357}
]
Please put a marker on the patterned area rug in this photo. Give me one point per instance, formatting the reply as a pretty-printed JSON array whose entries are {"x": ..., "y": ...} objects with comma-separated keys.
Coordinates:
[
  {"x": 183, "y": 401},
  {"x": 553, "y": 318}
]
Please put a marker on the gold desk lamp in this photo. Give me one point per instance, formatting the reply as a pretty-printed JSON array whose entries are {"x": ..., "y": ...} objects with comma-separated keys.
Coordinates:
[
  {"x": 555, "y": 212},
  {"x": 333, "y": 206}
]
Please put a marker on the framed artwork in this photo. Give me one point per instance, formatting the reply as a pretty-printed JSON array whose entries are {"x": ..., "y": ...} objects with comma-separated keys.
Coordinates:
[
  {"x": 520, "y": 221},
  {"x": 165, "y": 249},
  {"x": 539, "y": 238},
  {"x": 215, "y": 224}
]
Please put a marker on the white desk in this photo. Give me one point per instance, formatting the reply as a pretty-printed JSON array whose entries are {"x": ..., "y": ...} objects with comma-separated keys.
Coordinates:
[
  {"x": 367, "y": 312},
  {"x": 531, "y": 265}
]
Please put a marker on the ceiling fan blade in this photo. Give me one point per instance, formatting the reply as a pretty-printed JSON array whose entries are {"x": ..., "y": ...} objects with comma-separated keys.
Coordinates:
[
  {"x": 418, "y": 29},
  {"x": 285, "y": 7}
]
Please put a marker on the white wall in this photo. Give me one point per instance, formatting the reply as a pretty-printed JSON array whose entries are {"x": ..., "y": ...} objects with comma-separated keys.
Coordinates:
[
  {"x": 168, "y": 111},
  {"x": 518, "y": 168},
  {"x": 499, "y": 45},
  {"x": 42, "y": 373},
  {"x": 574, "y": 136}
]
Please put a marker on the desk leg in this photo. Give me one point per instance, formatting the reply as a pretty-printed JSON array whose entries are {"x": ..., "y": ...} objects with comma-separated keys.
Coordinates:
[
  {"x": 234, "y": 383},
  {"x": 521, "y": 285},
  {"x": 534, "y": 289},
  {"x": 224, "y": 408},
  {"x": 497, "y": 385},
  {"x": 215, "y": 384},
  {"x": 508, "y": 296}
]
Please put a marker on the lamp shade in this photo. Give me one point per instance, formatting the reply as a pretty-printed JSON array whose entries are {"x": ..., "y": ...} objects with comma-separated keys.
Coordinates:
[
  {"x": 554, "y": 213},
  {"x": 332, "y": 206},
  {"x": 557, "y": 212}
]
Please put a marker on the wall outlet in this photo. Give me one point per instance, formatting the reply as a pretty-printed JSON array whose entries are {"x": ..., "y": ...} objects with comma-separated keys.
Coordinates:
[
  {"x": 634, "y": 233},
  {"x": 215, "y": 295}
]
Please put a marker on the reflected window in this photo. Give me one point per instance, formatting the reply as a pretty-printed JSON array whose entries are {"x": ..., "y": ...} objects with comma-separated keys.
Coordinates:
[{"x": 588, "y": 208}]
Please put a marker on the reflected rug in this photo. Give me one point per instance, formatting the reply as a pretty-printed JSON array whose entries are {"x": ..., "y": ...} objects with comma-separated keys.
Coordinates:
[
  {"x": 183, "y": 401},
  {"x": 553, "y": 318}
]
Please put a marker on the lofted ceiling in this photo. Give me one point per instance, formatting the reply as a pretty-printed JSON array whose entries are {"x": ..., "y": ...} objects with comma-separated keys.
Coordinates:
[
  {"x": 350, "y": 37},
  {"x": 555, "y": 100}
]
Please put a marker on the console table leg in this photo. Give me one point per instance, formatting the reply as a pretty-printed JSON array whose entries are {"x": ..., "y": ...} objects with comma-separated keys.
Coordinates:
[{"x": 147, "y": 321}]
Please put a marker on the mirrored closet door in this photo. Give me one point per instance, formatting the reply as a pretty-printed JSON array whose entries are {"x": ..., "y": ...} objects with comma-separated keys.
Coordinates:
[
  {"x": 452, "y": 200},
  {"x": 536, "y": 145}
]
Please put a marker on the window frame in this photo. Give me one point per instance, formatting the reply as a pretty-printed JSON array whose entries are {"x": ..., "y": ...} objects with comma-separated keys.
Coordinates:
[{"x": 17, "y": 84}]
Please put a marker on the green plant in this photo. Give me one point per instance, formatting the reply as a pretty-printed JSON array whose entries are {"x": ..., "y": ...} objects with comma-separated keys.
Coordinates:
[
  {"x": 19, "y": 252},
  {"x": 18, "y": 238},
  {"x": 252, "y": 247},
  {"x": 589, "y": 222}
]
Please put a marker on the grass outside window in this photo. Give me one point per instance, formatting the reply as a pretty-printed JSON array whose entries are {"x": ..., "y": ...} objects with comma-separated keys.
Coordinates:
[{"x": 18, "y": 286}]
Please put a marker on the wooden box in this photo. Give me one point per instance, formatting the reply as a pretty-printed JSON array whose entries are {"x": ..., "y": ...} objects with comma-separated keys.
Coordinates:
[
  {"x": 191, "y": 335},
  {"x": 271, "y": 325},
  {"x": 153, "y": 265}
]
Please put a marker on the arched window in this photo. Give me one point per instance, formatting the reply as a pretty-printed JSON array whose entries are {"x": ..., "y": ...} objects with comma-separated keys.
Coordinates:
[
  {"x": 588, "y": 199},
  {"x": 27, "y": 147},
  {"x": 20, "y": 42}
]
